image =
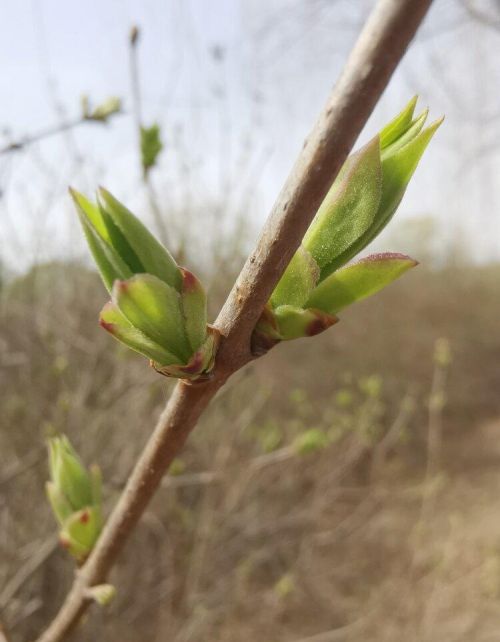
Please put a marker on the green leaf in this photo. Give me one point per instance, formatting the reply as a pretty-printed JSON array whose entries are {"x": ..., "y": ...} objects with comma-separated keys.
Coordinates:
[
  {"x": 295, "y": 323},
  {"x": 348, "y": 209},
  {"x": 108, "y": 261},
  {"x": 194, "y": 309},
  {"x": 151, "y": 146},
  {"x": 399, "y": 125},
  {"x": 154, "y": 308},
  {"x": 112, "y": 320},
  {"x": 151, "y": 254},
  {"x": 358, "y": 281},
  {"x": 409, "y": 135},
  {"x": 298, "y": 280}
]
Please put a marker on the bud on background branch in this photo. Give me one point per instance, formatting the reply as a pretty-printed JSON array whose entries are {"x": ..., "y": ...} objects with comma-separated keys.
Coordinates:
[{"x": 75, "y": 496}]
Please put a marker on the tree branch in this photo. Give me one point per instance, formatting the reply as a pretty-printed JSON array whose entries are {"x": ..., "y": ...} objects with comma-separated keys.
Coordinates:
[{"x": 376, "y": 54}]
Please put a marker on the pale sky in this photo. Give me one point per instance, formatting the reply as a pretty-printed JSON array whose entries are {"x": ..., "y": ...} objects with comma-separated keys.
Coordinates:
[{"x": 235, "y": 85}]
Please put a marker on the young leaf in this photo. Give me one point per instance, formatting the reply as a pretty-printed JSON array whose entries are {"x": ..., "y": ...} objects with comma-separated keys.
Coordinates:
[
  {"x": 358, "y": 281},
  {"x": 112, "y": 320},
  {"x": 194, "y": 309},
  {"x": 151, "y": 254},
  {"x": 397, "y": 168},
  {"x": 153, "y": 307},
  {"x": 109, "y": 263},
  {"x": 298, "y": 281},
  {"x": 399, "y": 125},
  {"x": 348, "y": 209},
  {"x": 409, "y": 134}
]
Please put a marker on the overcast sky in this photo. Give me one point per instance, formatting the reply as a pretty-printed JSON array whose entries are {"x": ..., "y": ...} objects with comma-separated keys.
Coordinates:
[{"x": 235, "y": 85}]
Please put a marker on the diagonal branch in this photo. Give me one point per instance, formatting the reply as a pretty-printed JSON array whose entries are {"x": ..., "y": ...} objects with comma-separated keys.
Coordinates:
[{"x": 380, "y": 47}]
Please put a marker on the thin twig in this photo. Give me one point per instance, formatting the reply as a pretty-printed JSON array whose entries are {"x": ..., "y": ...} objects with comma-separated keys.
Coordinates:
[
  {"x": 376, "y": 54},
  {"x": 20, "y": 144}
]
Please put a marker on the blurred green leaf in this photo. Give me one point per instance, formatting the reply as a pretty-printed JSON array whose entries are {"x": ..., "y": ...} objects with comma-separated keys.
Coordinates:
[{"x": 151, "y": 146}]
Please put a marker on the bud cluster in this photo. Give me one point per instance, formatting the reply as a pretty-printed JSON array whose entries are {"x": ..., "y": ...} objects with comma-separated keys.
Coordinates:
[
  {"x": 317, "y": 283},
  {"x": 157, "y": 308}
]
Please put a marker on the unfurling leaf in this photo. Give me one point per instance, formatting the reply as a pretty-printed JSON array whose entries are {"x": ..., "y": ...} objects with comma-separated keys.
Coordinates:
[{"x": 355, "y": 282}]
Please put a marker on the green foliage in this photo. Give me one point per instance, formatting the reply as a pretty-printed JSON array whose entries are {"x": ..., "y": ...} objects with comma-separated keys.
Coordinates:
[
  {"x": 75, "y": 496},
  {"x": 151, "y": 146},
  {"x": 360, "y": 203}
]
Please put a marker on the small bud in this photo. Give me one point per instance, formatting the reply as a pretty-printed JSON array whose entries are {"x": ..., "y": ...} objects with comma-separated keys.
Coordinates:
[
  {"x": 105, "y": 110},
  {"x": 103, "y": 594}
]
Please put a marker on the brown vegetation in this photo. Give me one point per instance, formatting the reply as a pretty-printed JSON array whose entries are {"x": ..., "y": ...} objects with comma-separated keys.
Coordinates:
[{"x": 370, "y": 535}]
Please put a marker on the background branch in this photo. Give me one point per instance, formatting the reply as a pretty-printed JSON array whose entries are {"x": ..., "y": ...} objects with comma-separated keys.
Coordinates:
[{"x": 376, "y": 54}]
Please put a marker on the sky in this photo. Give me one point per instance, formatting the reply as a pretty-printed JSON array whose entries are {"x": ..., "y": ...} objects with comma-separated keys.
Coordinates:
[{"x": 235, "y": 86}]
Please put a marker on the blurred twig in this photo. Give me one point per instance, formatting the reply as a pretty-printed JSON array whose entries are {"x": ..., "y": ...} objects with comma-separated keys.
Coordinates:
[
  {"x": 375, "y": 56},
  {"x": 22, "y": 143}
]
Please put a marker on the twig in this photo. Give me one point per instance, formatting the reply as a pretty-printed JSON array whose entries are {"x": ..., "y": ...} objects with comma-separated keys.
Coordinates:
[
  {"x": 47, "y": 133},
  {"x": 376, "y": 54}
]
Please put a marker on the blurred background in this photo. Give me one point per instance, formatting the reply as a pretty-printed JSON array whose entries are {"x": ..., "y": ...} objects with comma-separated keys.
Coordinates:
[{"x": 342, "y": 488}]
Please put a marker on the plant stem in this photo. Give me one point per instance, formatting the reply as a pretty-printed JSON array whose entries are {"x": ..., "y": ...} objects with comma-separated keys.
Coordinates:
[{"x": 380, "y": 47}]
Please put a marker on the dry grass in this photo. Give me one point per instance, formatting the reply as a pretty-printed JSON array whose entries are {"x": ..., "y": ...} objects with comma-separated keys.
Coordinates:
[{"x": 252, "y": 538}]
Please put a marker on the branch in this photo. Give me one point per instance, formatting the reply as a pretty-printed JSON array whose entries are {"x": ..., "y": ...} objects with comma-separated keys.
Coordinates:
[{"x": 376, "y": 54}]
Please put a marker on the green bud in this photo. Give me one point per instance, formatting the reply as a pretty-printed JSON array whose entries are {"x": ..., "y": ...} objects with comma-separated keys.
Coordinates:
[
  {"x": 75, "y": 498},
  {"x": 103, "y": 111},
  {"x": 158, "y": 308},
  {"x": 103, "y": 594}
]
